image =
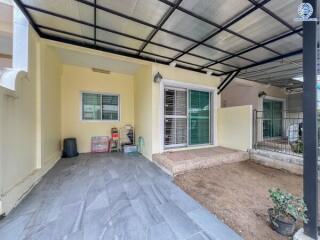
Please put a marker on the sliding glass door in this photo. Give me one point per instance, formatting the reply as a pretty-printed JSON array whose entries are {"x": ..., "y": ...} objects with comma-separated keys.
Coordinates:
[
  {"x": 272, "y": 114},
  {"x": 187, "y": 116},
  {"x": 199, "y": 117}
]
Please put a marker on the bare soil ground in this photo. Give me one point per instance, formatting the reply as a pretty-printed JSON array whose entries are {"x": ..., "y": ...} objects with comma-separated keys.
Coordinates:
[{"x": 238, "y": 194}]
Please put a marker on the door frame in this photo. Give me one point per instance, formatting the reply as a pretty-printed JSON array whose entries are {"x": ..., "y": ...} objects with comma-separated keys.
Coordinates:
[
  {"x": 214, "y": 104},
  {"x": 284, "y": 107}
]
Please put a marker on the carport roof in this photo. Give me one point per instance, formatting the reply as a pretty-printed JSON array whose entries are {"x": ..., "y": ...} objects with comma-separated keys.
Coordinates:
[{"x": 259, "y": 37}]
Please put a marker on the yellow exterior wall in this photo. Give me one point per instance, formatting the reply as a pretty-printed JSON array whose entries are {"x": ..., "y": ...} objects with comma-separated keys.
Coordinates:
[
  {"x": 179, "y": 75},
  {"x": 77, "y": 79},
  {"x": 50, "y": 106},
  {"x": 143, "y": 109},
  {"x": 30, "y": 125},
  {"x": 235, "y": 127}
]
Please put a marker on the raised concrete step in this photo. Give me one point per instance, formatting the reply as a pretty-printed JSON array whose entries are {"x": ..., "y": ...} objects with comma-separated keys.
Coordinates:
[{"x": 178, "y": 162}]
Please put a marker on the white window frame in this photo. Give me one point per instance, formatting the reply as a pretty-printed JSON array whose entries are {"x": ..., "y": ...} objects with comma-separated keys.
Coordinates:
[{"x": 102, "y": 94}]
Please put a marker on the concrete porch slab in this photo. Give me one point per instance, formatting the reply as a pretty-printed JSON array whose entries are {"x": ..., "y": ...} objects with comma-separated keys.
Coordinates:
[{"x": 178, "y": 162}]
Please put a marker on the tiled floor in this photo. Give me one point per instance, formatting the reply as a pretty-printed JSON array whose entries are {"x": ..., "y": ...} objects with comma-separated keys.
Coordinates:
[{"x": 110, "y": 196}]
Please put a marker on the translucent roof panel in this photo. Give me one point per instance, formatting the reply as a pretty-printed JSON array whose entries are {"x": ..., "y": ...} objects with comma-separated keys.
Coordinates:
[
  {"x": 259, "y": 54},
  {"x": 151, "y": 48},
  {"x": 238, "y": 62},
  {"x": 171, "y": 40},
  {"x": 117, "y": 39},
  {"x": 61, "y": 24},
  {"x": 208, "y": 52},
  {"x": 258, "y": 26},
  {"x": 278, "y": 73},
  {"x": 286, "y": 10},
  {"x": 123, "y": 25},
  {"x": 289, "y": 44},
  {"x": 150, "y": 11},
  {"x": 195, "y": 60},
  {"x": 70, "y": 8},
  {"x": 217, "y": 11},
  {"x": 187, "y": 25},
  {"x": 228, "y": 42}
]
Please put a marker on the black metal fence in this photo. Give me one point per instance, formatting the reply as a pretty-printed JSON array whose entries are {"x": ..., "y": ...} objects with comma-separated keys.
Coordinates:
[{"x": 281, "y": 132}]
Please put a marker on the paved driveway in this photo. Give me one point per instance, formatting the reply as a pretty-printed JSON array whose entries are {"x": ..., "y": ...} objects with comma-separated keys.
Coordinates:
[{"x": 110, "y": 196}]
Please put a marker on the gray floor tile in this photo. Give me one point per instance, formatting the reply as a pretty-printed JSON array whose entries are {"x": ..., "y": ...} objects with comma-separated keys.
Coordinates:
[
  {"x": 113, "y": 197},
  {"x": 212, "y": 225},
  {"x": 161, "y": 231},
  {"x": 146, "y": 211},
  {"x": 178, "y": 221}
]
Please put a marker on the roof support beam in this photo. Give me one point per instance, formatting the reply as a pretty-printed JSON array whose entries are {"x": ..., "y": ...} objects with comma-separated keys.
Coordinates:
[
  {"x": 162, "y": 22},
  {"x": 227, "y": 81},
  {"x": 95, "y": 22},
  {"x": 273, "y": 59},
  {"x": 112, "y": 31},
  {"x": 91, "y": 46},
  {"x": 111, "y": 44},
  {"x": 310, "y": 129}
]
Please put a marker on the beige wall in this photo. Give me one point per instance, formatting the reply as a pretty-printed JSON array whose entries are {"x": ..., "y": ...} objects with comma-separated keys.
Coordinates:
[
  {"x": 50, "y": 105},
  {"x": 77, "y": 79},
  {"x": 143, "y": 108},
  {"x": 30, "y": 125},
  {"x": 182, "y": 76},
  {"x": 235, "y": 127},
  {"x": 242, "y": 92}
]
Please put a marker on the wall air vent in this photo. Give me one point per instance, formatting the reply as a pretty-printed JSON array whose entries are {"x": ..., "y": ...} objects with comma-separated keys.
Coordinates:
[{"x": 101, "y": 70}]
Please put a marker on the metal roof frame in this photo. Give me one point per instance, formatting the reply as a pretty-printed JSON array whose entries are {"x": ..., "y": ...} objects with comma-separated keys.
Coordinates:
[{"x": 158, "y": 57}]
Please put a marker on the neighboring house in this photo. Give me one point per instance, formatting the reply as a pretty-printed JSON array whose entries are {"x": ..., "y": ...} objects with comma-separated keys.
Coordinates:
[{"x": 277, "y": 119}]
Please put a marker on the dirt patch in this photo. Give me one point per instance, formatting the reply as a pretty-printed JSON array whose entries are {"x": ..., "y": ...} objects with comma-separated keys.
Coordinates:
[{"x": 238, "y": 194}]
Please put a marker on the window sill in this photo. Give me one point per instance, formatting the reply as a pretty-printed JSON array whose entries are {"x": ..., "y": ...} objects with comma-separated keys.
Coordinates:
[{"x": 100, "y": 121}]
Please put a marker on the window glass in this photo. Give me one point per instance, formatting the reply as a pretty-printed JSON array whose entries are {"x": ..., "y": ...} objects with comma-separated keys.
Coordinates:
[
  {"x": 110, "y": 107},
  {"x": 97, "y": 106},
  {"x": 91, "y": 106}
]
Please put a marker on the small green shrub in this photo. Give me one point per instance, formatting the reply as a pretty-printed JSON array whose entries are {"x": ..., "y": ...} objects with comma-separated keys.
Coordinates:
[
  {"x": 297, "y": 147},
  {"x": 286, "y": 205}
]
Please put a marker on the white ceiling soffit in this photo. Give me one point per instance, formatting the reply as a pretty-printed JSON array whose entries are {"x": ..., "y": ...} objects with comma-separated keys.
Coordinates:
[
  {"x": 80, "y": 59},
  {"x": 193, "y": 34}
]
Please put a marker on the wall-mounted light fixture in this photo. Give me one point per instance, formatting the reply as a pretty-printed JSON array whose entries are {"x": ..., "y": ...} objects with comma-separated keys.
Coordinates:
[
  {"x": 157, "y": 78},
  {"x": 262, "y": 94}
]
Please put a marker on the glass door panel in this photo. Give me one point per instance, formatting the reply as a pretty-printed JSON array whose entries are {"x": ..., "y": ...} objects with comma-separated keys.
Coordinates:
[
  {"x": 199, "y": 117},
  {"x": 272, "y": 118}
]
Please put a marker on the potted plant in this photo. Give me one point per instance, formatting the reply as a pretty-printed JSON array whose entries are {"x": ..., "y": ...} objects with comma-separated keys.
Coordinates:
[{"x": 287, "y": 210}]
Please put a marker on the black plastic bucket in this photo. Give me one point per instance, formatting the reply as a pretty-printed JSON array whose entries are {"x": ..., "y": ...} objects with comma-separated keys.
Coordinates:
[
  {"x": 284, "y": 228},
  {"x": 70, "y": 148}
]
